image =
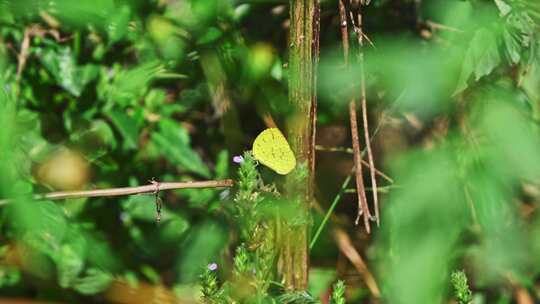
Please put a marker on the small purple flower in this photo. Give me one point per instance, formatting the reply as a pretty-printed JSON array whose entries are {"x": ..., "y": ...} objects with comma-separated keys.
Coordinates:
[
  {"x": 238, "y": 159},
  {"x": 212, "y": 266}
]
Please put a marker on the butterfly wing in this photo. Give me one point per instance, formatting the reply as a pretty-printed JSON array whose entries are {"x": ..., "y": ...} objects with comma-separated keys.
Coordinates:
[{"x": 272, "y": 150}]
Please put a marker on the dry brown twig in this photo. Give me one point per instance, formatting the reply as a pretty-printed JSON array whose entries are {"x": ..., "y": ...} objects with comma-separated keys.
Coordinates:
[
  {"x": 357, "y": 24},
  {"x": 363, "y": 208},
  {"x": 151, "y": 188}
]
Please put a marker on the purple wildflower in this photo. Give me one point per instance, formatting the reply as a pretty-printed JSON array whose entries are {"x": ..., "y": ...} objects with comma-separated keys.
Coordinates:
[
  {"x": 238, "y": 159},
  {"x": 212, "y": 266}
]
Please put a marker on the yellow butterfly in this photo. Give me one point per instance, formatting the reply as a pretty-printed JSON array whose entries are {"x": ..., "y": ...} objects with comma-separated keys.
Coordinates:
[{"x": 272, "y": 150}]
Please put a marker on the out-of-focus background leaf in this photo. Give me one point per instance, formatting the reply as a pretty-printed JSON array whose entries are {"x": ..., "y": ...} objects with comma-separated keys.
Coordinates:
[{"x": 102, "y": 93}]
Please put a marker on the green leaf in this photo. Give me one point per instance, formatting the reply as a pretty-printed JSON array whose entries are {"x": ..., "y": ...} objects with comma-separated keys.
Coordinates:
[
  {"x": 141, "y": 207},
  {"x": 117, "y": 24},
  {"x": 222, "y": 164},
  {"x": 9, "y": 276},
  {"x": 198, "y": 198},
  {"x": 104, "y": 132},
  {"x": 151, "y": 274},
  {"x": 60, "y": 62},
  {"x": 94, "y": 282},
  {"x": 43, "y": 224},
  {"x": 482, "y": 56},
  {"x": 203, "y": 246},
  {"x": 513, "y": 47},
  {"x": 69, "y": 265},
  {"x": 320, "y": 279},
  {"x": 129, "y": 86},
  {"x": 503, "y": 7},
  {"x": 173, "y": 142},
  {"x": 173, "y": 228},
  {"x": 127, "y": 126}
]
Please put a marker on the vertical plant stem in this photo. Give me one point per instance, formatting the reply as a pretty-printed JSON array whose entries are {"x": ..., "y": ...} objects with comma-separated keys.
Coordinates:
[
  {"x": 363, "y": 208},
  {"x": 293, "y": 253}
]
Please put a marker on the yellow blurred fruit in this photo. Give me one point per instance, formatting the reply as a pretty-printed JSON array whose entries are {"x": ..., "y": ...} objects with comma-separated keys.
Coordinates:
[{"x": 64, "y": 170}]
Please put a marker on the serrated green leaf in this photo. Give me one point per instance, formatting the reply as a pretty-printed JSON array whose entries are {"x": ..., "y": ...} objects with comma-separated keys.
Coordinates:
[{"x": 481, "y": 57}]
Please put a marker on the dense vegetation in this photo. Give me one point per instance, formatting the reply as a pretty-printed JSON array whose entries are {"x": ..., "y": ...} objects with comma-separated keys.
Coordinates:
[{"x": 123, "y": 93}]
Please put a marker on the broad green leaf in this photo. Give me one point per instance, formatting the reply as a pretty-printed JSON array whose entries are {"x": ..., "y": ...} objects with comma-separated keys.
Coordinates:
[{"x": 174, "y": 144}]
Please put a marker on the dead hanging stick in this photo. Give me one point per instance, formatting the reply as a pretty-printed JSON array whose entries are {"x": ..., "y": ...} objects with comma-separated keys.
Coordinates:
[
  {"x": 357, "y": 24},
  {"x": 363, "y": 208}
]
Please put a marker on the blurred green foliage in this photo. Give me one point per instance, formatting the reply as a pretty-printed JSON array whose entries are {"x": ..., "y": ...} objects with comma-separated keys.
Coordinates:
[{"x": 110, "y": 93}]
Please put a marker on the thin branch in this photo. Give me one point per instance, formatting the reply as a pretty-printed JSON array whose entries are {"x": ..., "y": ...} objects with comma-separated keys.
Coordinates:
[
  {"x": 360, "y": 35},
  {"x": 363, "y": 208},
  {"x": 152, "y": 188}
]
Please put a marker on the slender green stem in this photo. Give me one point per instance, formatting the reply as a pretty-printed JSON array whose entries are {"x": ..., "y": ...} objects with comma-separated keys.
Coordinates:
[{"x": 330, "y": 210}]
